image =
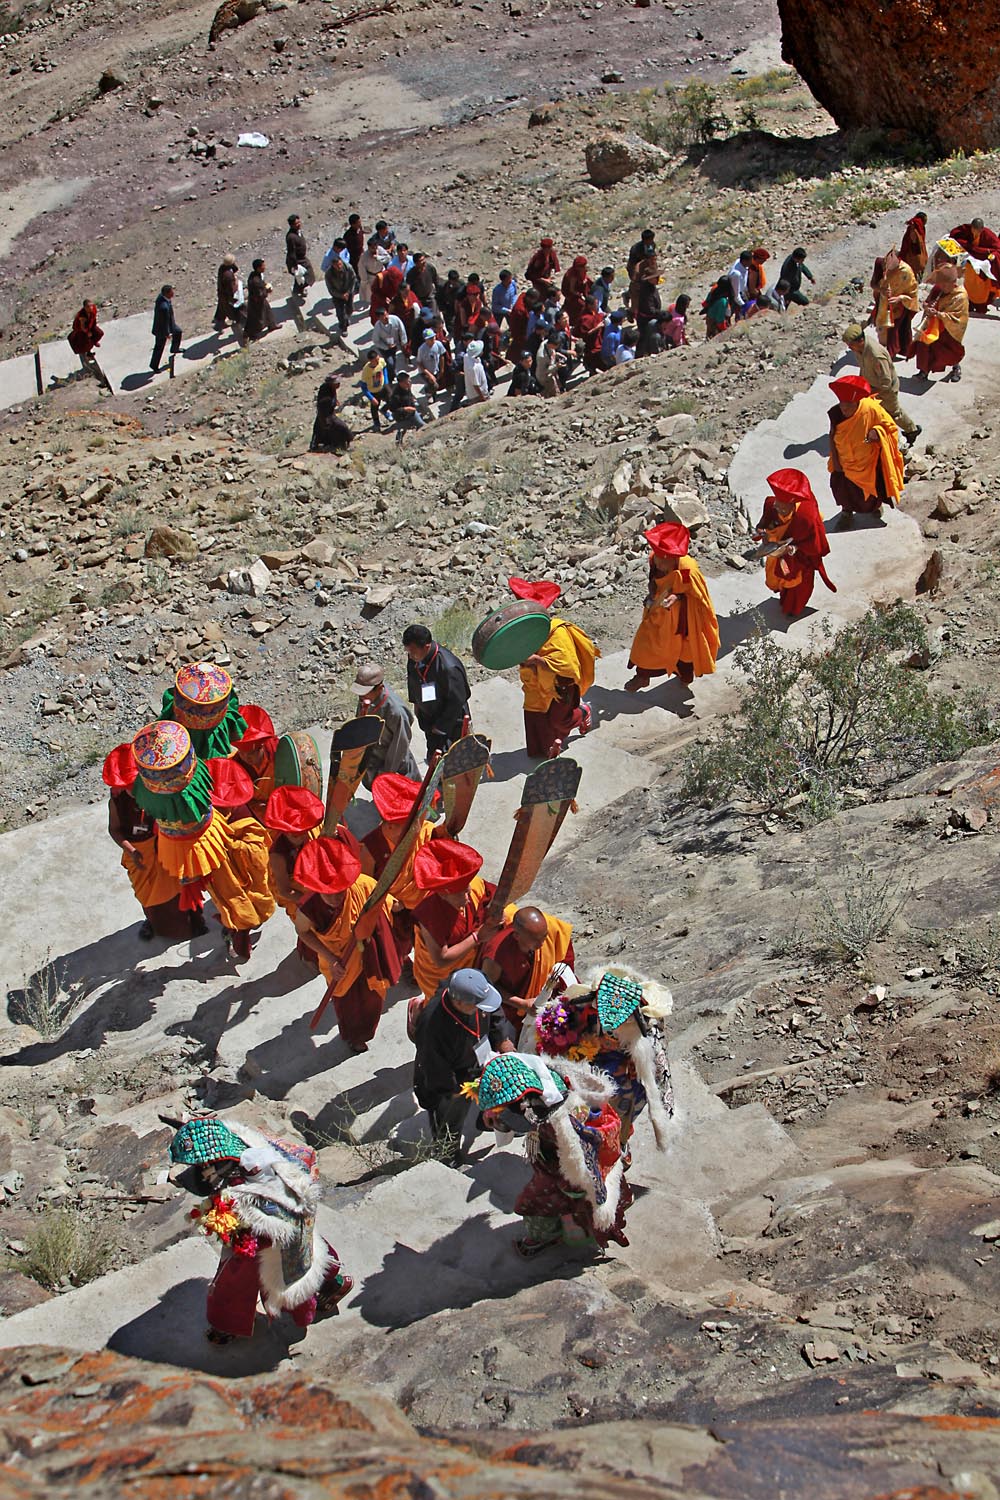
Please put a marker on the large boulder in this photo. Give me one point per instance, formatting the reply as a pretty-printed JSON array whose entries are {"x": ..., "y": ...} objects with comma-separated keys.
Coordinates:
[
  {"x": 927, "y": 67},
  {"x": 612, "y": 158}
]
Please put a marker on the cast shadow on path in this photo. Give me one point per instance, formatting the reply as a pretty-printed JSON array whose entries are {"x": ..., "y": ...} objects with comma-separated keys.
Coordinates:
[
  {"x": 672, "y": 695},
  {"x": 214, "y": 1016},
  {"x": 173, "y": 1333},
  {"x": 298, "y": 1053},
  {"x": 820, "y": 445},
  {"x": 129, "y": 1000},
  {"x": 391, "y": 1086},
  {"x": 136, "y": 381},
  {"x": 474, "y": 1263},
  {"x": 766, "y": 616}
]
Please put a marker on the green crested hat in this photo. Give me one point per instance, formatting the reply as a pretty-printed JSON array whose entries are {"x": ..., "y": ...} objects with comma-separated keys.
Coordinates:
[
  {"x": 172, "y": 785},
  {"x": 201, "y": 1141},
  {"x": 506, "y": 1079},
  {"x": 617, "y": 999}
]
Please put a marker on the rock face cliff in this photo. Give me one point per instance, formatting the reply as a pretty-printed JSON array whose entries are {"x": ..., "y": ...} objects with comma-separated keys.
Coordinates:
[{"x": 926, "y": 67}]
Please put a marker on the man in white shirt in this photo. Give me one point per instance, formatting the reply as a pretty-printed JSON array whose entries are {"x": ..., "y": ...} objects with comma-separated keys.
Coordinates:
[
  {"x": 477, "y": 387},
  {"x": 429, "y": 358},
  {"x": 739, "y": 274},
  {"x": 389, "y": 340}
]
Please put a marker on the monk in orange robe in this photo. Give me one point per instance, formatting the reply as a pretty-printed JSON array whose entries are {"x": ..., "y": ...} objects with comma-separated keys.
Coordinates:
[
  {"x": 946, "y": 317},
  {"x": 982, "y": 279},
  {"x": 576, "y": 285},
  {"x": 866, "y": 466},
  {"x": 522, "y": 955},
  {"x": 791, "y": 518},
  {"x": 896, "y": 303},
  {"x": 679, "y": 632},
  {"x": 451, "y": 919},
  {"x": 134, "y": 831},
  {"x": 358, "y": 962},
  {"x": 556, "y": 678},
  {"x": 293, "y": 817},
  {"x": 394, "y": 797},
  {"x": 255, "y": 750}
]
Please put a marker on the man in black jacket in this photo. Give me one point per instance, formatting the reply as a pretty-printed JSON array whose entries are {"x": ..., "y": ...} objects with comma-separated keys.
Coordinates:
[
  {"x": 164, "y": 327},
  {"x": 457, "y": 1032},
  {"x": 437, "y": 687},
  {"x": 297, "y": 260}
]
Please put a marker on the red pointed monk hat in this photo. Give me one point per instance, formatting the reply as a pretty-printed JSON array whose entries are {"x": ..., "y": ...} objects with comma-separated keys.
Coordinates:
[
  {"x": 394, "y": 796},
  {"x": 790, "y": 484},
  {"x": 120, "y": 769},
  {"x": 445, "y": 865},
  {"x": 293, "y": 809},
  {"x": 260, "y": 727},
  {"x": 850, "y": 388},
  {"x": 326, "y": 865},
  {"x": 542, "y": 593},
  {"x": 231, "y": 784},
  {"x": 669, "y": 539}
]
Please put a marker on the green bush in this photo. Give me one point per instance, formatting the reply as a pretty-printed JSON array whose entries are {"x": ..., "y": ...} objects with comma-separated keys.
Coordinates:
[
  {"x": 774, "y": 81},
  {"x": 867, "y": 205},
  {"x": 694, "y": 116},
  {"x": 846, "y": 712}
]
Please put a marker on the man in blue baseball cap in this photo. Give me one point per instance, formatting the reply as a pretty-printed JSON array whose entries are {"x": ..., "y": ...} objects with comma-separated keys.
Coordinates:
[{"x": 457, "y": 1033}]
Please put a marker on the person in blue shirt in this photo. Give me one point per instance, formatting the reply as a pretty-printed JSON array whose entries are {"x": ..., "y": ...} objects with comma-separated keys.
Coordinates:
[
  {"x": 402, "y": 258},
  {"x": 611, "y": 342},
  {"x": 504, "y": 296},
  {"x": 602, "y": 288}
]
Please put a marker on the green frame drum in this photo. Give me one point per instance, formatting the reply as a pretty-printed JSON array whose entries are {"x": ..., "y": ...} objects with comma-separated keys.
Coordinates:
[
  {"x": 508, "y": 636},
  {"x": 298, "y": 762}
]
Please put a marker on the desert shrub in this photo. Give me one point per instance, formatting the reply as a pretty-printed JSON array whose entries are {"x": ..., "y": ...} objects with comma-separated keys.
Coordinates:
[
  {"x": 846, "y": 711},
  {"x": 693, "y": 117},
  {"x": 867, "y": 205},
  {"x": 64, "y": 1250},
  {"x": 860, "y": 913},
  {"x": 454, "y": 626},
  {"x": 46, "y": 1001},
  {"x": 759, "y": 85},
  {"x": 829, "y": 194}
]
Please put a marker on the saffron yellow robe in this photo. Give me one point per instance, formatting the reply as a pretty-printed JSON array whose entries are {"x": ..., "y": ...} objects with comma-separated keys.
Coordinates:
[
  {"x": 658, "y": 645},
  {"x": 231, "y": 860},
  {"x": 568, "y": 653},
  {"x": 859, "y": 459}
]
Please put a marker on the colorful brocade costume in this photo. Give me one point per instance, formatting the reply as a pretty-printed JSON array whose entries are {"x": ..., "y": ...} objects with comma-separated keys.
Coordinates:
[
  {"x": 578, "y": 1194},
  {"x": 263, "y": 1211},
  {"x": 614, "y": 1025},
  {"x": 195, "y": 844}
]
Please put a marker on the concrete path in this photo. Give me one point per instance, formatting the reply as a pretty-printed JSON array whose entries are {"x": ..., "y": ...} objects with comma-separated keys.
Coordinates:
[
  {"x": 251, "y": 1025},
  {"x": 125, "y": 351}
]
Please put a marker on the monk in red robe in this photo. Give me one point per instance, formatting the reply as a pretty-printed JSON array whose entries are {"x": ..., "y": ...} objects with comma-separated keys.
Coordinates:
[
  {"x": 592, "y": 333},
  {"x": 556, "y": 678},
  {"x": 913, "y": 245},
  {"x": 394, "y": 797},
  {"x": 451, "y": 919},
  {"x": 542, "y": 267},
  {"x": 791, "y": 517},
  {"x": 522, "y": 955},
  {"x": 576, "y": 285},
  {"x": 293, "y": 816},
  {"x": 255, "y": 751},
  {"x": 385, "y": 286},
  {"x": 85, "y": 335}
]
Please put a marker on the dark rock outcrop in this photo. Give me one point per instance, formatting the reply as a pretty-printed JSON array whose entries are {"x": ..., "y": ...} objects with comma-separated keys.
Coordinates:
[{"x": 926, "y": 67}]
